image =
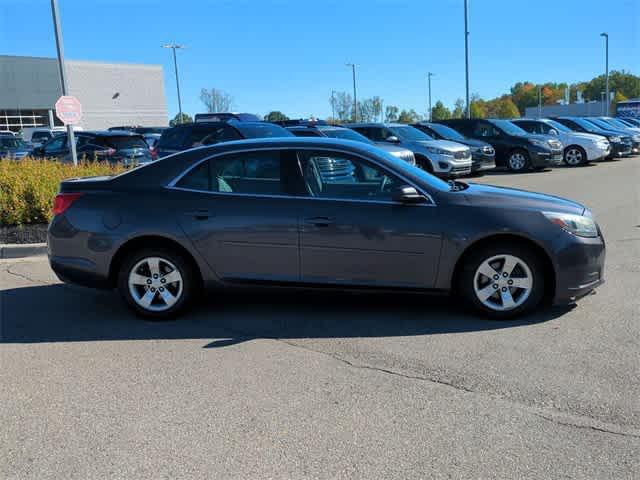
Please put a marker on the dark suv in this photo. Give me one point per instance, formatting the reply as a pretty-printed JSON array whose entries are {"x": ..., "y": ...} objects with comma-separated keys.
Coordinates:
[
  {"x": 190, "y": 135},
  {"x": 515, "y": 148},
  {"x": 112, "y": 146},
  {"x": 483, "y": 155},
  {"x": 621, "y": 143}
]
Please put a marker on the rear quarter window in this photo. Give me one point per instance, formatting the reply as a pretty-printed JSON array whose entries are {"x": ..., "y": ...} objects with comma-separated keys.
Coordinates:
[{"x": 125, "y": 142}]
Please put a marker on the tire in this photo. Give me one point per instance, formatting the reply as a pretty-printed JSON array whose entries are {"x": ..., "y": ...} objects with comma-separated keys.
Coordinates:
[
  {"x": 154, "y": 295},
  {"x": 491, "y": 296},
  {"x": 574, "y": 156},
  {"x": 518, "y": 160}
]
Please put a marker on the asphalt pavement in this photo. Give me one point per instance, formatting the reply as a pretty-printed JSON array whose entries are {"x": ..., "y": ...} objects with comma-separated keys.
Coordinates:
[{"x": 315, "y": 385}]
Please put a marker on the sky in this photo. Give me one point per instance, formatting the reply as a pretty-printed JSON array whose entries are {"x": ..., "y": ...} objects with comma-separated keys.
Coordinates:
[{"x": 289, "y": 55}]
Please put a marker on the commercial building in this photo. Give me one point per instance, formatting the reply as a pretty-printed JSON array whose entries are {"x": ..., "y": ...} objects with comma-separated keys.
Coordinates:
[
  {"x": 585, "y": 109},
  {"x": 110, "y": 93}
]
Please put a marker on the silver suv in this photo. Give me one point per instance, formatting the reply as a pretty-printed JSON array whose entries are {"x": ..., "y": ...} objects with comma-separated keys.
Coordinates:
[{"x": 440, "y": 157}]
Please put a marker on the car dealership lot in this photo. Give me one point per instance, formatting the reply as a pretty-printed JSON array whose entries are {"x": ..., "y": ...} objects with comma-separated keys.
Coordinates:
[{"x": 319, "y": 385}]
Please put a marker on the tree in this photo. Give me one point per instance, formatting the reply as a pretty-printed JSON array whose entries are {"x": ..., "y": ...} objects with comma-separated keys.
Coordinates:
[
  {"x": 440, "y": 112},
  {"x": 459, "y": 110},
  {"x": 342, "y": 104},
  {"x": 505, "y": 108},
  {"x": 391, "y": 113},
  {"x": 216, "y": 100},
  {"x": 369, "y": 109},
  {"x": 477, "y": 107},
  {"x": 177, "y": 120},
  {"x": 275, "y": 116},
  {"x": 408, "y": 116}
]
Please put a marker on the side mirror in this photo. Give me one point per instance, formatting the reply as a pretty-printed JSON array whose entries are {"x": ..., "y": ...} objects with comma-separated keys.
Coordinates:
[
  {"x": 408, "y": 194},
  {"x": 392, "y": 139}
]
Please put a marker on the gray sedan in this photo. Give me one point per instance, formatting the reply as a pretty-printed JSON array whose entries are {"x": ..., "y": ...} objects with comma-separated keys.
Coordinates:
[{"x": 261, "y": 212}]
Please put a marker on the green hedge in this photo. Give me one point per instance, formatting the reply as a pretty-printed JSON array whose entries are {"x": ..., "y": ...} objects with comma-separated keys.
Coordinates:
[{"x": 28, "y": 187}]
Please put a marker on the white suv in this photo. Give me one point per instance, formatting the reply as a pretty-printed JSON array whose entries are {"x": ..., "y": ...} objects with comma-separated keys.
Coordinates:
[{"x": 579, "y": 148}]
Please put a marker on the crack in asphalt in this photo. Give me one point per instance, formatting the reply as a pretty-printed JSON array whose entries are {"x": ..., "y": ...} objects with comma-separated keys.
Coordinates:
[
  {"x": 616, "y": 430},
  {"x": 24, "y": 277}
]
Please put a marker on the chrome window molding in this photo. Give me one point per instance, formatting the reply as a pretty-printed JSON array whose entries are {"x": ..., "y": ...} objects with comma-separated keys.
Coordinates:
[{"x": 172, "y": 184}]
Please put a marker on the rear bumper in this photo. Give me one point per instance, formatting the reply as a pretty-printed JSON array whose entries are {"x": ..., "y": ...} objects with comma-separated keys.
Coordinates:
[
  {"x": 79, "y": 271},
  {"x": 580, "y": 268}
]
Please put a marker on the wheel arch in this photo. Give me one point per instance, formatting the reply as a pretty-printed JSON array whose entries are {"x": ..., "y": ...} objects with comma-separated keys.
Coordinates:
[
  {"x": 541, "y": 253},
  {"x": 146, "y": 241},
  {"x": 423, "y": 159}
]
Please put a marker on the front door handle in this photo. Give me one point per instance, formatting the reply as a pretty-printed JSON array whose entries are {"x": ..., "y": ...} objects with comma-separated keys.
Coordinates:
[
  {"x": 319, "y": 221},
  {"x": 202, "y": 214}
]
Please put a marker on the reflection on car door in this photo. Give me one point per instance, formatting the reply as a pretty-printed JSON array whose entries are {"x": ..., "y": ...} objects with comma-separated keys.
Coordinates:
[
  {"x": 238, "y": 211},
  {"x": 353, "y": 233}
]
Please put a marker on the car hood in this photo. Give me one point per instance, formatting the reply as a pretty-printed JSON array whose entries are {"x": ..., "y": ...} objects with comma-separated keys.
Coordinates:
[
  {"x": 472, "y": 142},
  {"x": 586, "y": 136},
  {"x": 443, "y": 144},
  {"x": 492, "y": 196},
  {"x": 392, "y": 149}
]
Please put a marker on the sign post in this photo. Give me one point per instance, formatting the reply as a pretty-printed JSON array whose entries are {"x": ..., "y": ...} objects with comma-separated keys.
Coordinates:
[{"x": 63, "y": 78}]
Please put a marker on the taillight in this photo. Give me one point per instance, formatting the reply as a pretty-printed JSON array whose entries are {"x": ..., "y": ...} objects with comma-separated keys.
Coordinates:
[
  {"x": 63, "y": 201},
  {"x": 154, "y": 153},
  {"x": 108, "y": 152}
]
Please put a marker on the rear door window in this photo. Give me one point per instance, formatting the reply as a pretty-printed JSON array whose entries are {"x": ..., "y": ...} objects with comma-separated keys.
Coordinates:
[
  {"x": 125, "y": 142},
  {"x": 172, "y": 138},
  {"x": 483, "y": 129}
]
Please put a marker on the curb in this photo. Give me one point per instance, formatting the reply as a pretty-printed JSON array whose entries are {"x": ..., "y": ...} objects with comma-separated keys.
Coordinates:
[{"x": 22, "y": 250}]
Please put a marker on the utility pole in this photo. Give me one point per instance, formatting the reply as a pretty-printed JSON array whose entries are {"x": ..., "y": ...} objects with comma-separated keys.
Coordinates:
[
  {"x": 466, "y": 54},
  {"x": 173, "y": 47},
  {"x": 355, "y": 98},
  {"x": 63, "y": 75},
  {"x": 606, "y": 74},
  {"x": 429, "y": 75}
]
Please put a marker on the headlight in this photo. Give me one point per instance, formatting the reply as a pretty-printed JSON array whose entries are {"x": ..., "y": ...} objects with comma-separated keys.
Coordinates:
[
  {"x": 538, "y": 143},
  {"x": 615, "y": 139},
  {"x": 576, "y": 224},
  {"x": 438, "y": 151}
]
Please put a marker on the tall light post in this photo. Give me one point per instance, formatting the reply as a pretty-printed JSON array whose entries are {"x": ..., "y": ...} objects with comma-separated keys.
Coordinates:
[
  {"x": 173, "y": 47},
  {"x": 355, "y": 98},
  {"x": 466, "y": 55},
  {"x": 63, "y": 75},
  {"x": 606, "y": 74},
  {"x": 429, "y": 75}
]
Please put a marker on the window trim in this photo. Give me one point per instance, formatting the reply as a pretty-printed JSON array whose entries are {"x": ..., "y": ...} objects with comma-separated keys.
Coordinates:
[{"x": 172, "y": 184}]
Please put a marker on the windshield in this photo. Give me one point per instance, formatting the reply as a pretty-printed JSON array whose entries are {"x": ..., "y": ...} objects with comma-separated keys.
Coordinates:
[
  {"x": 410, "y": 134},
  {"x": 262, "y": 130},
  {"x": 11, "y": 142},
  {"x": 558, "y": 126},
  {"x": 599, "y": 123},
  {"x": 586, "y": 125},
  {"x": 345, "y": 134},
  {"x": 507, "y": 127},
  {"x": 616, "y": 123},
  {"x": 447, "y": 133}
]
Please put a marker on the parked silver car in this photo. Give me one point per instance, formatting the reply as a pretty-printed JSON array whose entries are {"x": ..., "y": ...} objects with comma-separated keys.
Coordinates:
[{"x": 440, "y": 157}]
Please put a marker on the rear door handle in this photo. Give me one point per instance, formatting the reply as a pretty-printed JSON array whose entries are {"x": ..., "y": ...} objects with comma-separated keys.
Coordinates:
[
  {"x": 199, "y": 214},
  {"x": 319, "y": 221}
]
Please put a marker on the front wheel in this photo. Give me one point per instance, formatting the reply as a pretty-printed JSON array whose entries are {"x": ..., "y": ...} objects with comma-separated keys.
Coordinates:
[
  {"x": 503, "y": 281},
  {"x": 156, "y": 283},
  {"x": 518, "y": 161},
  {"x": 574, "y": 156}
]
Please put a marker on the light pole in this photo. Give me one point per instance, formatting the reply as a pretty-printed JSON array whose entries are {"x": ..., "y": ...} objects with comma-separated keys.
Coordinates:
[
  {"x": 429, "y": 75},
  {"x": 606, "y": 74},
  {"x": 466, "y": 54},
  {"x": 173, "y": 47},
  {"x": 355, "y": 98},
  {"x": 63, "y": 75}
]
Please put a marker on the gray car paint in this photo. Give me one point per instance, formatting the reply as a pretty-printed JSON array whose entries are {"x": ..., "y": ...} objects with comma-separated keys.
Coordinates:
[{"x": 255, "y": 237}]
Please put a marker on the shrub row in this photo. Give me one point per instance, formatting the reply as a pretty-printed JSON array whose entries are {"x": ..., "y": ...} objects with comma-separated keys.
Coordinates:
[{"x": 28, "y": 187}]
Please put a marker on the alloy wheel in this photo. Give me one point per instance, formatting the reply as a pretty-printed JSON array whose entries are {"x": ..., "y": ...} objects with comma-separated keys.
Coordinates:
[
  {"x": 503, "y": 282},
  {"x": 573, "y": 157},
  {"x": 155, "y": 284},
  {"x": 517, "y": 161}
]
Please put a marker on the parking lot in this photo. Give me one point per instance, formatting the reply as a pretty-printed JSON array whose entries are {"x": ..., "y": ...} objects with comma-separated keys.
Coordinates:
[{"x": 318, "y": 385}]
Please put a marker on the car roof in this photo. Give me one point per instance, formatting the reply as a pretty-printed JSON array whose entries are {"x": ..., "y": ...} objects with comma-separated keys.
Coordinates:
[
  {"x": 108, "y": 133},
  {"x": 377, "y": 124}
]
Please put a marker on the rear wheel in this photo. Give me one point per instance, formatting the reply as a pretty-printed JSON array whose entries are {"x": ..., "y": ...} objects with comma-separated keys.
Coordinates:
[
  {"x": 518, "y": 161},
  {"x": 574, "y": 156},
  {"x": 503, "y": 281},
  {"x": 156, "y": 283}
]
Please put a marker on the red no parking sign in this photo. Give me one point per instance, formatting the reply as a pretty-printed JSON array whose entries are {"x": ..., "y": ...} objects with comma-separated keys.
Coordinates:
[{"x": 69, "y": 110}]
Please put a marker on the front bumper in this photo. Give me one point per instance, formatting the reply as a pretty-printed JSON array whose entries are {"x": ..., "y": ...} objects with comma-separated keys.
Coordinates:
[
  {"x": 481, "y": 162},
  {"x": 620, "y": 150},
  {"x": 447, "y": 166},
  {"x": 546, "y": 158},
  {"x": 579, "y": 267}
]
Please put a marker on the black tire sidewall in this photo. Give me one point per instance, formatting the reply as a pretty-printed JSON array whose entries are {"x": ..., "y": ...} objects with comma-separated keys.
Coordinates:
[
  {"x": 477, "y": 257},
  {"x": 582, "y": 151},
  {"x": 183, "y": 266}
]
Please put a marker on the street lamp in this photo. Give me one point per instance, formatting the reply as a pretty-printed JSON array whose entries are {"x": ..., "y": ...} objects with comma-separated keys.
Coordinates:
[
  {"x": 355, "y": 99},
  {"x": 466, "y": 55},
  {"x": 173, "y": 47},
  {"x": 606, "y": 75},
  {"x": 429, "y": 75}
]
